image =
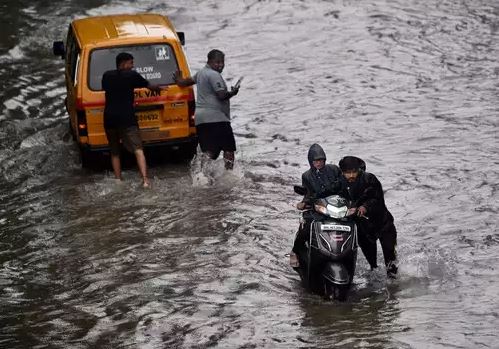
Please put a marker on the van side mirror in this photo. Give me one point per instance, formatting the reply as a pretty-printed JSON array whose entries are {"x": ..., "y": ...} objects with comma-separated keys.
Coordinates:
[
  {"x": 181, "y": 37},
  {"x": 58, "y": 49}
]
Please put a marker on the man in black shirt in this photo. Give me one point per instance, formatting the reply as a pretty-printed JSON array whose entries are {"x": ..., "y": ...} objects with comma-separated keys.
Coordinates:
[{"x": 120, "y": 122}]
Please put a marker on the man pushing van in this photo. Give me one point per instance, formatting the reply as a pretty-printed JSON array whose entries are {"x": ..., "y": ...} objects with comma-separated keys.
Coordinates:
[
  {"x": 213, "y": 108},
  {"x": 120, "y": 122}
]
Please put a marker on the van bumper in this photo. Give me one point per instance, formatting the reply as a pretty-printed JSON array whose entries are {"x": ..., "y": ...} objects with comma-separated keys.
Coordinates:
[{"x": 173, "y": 143}]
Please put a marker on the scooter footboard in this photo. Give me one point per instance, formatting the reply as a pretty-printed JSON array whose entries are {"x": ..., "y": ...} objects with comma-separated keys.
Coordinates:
[{"x": 336, "y": 273}]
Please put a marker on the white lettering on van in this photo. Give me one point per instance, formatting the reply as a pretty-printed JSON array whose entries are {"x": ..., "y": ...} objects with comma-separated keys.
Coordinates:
[
  {"x": 149, "y": 76},
  {"x": 143, "y": 70}
]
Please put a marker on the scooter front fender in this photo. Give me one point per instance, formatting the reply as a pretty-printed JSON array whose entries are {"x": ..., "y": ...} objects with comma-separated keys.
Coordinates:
[{"x": 336, "y": 273}]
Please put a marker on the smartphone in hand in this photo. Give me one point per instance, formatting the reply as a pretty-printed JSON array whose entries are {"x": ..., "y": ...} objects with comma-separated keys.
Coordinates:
[{"x": 238, "y": 83}]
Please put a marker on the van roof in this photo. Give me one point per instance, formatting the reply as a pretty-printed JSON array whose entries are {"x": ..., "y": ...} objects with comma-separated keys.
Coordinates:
[{"x": 98, "y": 29}]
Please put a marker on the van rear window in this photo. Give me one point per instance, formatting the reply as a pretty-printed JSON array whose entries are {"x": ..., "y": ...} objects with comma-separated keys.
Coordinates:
[{"x": 156, "y": 63}]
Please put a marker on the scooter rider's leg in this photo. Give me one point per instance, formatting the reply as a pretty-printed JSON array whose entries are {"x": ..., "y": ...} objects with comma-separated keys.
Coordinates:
[{"x": 302, "y": 236}]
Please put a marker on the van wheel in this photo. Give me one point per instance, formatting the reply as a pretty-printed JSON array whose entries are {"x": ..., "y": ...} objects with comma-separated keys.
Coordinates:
[
  {"x": 85, "y": 158},
  {"x": 187, "y": 151},
  {"x": 71, "y": 130}
]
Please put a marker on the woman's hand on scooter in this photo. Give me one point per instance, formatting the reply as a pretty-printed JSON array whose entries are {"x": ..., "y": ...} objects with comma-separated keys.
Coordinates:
[{"x": 301, "y": 205}]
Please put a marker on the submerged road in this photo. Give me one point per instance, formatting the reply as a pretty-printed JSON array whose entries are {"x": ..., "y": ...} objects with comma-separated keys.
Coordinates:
[{"x": 409, "y": 86}]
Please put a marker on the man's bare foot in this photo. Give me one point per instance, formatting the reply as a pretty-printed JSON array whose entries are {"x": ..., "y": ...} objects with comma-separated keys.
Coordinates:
[{"x": 146, "y": 184}]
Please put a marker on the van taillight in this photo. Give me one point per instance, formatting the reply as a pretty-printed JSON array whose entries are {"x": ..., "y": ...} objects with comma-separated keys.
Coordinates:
[
  {"x": 82, "y": 122},
  {"x": 191, "y": 105}
]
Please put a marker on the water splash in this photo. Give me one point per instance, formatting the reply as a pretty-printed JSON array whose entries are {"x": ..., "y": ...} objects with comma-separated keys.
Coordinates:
[{"x": 206, "y": 172}]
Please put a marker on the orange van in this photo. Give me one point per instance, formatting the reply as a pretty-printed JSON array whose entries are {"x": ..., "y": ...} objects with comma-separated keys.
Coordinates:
[{"x": 165, "y": 118}]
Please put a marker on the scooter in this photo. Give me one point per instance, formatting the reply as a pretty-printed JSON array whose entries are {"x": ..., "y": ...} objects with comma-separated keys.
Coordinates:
[{"x": 328, "y": 260}]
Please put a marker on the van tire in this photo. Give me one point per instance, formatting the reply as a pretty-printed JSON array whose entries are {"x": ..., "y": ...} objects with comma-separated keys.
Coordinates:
[
  {"x": 187, "y": 151},
  {"x": 85, "y": 158},
  {"x": 71, "y": 130}
]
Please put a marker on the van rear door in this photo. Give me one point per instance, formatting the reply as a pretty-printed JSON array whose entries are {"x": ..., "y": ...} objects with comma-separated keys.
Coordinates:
[{"x": 161, "y": 116}]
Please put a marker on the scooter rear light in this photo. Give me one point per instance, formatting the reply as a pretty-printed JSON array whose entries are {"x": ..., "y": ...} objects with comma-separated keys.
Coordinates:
[{"x": 336, "y": 237}]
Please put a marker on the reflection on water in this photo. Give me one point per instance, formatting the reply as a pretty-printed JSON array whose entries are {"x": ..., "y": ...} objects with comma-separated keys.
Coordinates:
[{"x": 199, "y": 260}]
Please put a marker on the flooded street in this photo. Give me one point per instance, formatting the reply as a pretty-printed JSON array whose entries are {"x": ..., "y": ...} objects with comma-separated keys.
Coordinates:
[{"x": 409, "y": 86}]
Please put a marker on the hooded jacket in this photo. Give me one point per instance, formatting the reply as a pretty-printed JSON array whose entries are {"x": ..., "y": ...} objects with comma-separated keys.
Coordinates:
[{"x": 320, "y": 183}]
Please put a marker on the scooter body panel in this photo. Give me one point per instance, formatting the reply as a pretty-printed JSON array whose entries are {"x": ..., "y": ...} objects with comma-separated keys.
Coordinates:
[
  {"x": 336, "y": 273},
  {"x": 327, "y": 264}
]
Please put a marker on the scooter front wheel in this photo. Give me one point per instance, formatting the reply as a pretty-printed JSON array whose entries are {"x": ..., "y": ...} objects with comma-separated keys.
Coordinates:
[{"x": 336, "y": 292}]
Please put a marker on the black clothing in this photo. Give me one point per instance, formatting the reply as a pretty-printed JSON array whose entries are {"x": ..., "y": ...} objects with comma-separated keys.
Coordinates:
[
  {"x": 367, "y": 191},
  {"x": 216, "y": 136},
  {"x": 319, "y": 184},
  {"x": 119, "y": 85},
  {"x": 367, "y": 242},
  {"x": 352, "y": 163}
]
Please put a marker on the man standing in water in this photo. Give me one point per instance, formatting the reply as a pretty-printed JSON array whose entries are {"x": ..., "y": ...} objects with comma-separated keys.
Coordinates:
[
  {"x": 365, "y": 193},
  {"x": 120, "y": 122},
  {"x": 213, "y": 108}
]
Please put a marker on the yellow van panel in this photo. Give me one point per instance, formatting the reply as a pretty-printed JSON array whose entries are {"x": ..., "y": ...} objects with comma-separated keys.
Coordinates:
[
  {"x": 95, "y": 30},
  {"x": 162, "y": 118}
]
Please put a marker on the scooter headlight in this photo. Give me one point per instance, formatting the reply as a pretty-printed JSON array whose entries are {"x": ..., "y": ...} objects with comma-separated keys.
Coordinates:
[
  {"x": 337, "y": 212},
  {"x": 332, "y": 211}
]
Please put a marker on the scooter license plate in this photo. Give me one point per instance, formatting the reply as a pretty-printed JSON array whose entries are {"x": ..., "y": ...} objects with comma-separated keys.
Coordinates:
[{"x": 336, "y": 227}]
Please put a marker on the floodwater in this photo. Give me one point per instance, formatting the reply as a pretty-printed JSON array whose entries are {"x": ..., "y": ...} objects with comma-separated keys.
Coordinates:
[{"x": 410, "y": 86}]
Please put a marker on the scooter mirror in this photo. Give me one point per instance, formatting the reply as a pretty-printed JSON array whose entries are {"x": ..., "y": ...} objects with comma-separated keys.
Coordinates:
[{"x": 300, "y": 190}]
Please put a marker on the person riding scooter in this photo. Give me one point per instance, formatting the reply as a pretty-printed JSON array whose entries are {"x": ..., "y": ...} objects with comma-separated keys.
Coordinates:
[
  {"x": 364, "y": 191},
  {"x": 320, "y": 181}
]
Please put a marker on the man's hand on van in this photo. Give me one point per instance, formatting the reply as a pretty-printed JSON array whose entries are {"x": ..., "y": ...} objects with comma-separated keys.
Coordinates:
[
  {"x": 155, "y": 88},
  {"x": 177, "y": 77}
]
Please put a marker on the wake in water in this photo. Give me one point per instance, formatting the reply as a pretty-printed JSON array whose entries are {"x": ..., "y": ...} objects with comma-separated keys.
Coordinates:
[{"x": 206, "y": 172}]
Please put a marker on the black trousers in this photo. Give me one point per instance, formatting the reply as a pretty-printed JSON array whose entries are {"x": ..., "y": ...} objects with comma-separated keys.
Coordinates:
[{"x": 387, "y": 236}]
